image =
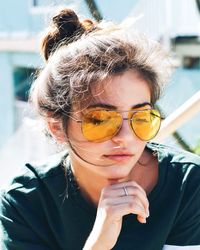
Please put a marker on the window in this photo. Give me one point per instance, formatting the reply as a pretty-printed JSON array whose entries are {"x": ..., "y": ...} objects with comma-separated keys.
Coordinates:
[
  {"x": 190, "y": 62},
  {"x": 22, "y": 79},
  {"x": 35, "y": 3}
]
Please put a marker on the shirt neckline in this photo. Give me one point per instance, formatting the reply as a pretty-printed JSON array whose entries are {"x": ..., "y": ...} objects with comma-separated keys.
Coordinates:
[{"x": 160, "y": 152}]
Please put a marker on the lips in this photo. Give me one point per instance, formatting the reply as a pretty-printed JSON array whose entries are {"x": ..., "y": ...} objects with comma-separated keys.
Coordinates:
[{"x": 119, "y": 156}]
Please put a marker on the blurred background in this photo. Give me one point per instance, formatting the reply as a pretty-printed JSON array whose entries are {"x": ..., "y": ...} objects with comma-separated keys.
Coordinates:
[{"x": 174, "y": 23}]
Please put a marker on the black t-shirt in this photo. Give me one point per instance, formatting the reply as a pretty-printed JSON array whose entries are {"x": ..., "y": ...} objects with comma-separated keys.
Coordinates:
[{"x": 43, "y": 208}]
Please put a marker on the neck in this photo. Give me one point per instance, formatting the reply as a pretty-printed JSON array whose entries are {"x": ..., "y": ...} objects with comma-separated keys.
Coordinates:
[{"x": 90, "y": 183}]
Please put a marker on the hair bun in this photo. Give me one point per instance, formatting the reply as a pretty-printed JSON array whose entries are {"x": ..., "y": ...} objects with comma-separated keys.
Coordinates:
[
  {"x": 65, "y": 28},
  {"x": 67, "y": 23}
]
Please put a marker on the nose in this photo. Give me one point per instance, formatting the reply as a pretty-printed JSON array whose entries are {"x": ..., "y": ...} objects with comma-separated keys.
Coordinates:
[{"x": 125, "y": 134}]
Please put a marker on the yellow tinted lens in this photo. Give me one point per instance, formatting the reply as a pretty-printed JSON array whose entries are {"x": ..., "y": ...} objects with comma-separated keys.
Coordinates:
[
  {"x": 146, "y": 124},
  {"x": 101, "y": 125}
]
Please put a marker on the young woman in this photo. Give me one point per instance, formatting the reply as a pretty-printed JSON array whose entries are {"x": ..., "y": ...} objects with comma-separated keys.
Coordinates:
[{"x": 112, "y": 188}]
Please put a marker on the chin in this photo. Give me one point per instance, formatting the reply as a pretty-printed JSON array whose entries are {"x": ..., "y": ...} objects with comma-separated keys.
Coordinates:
[{"x": 116, "y": 173}]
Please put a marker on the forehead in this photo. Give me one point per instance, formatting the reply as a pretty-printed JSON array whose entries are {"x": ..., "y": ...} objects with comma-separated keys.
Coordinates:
[{"x": 122, "y": 91}]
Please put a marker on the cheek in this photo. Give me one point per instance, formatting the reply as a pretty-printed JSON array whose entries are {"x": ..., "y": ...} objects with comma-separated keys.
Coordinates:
[
  {"x": 76, "y": 138},
  {"x": 79, "y": 142},
  {"x": 138, "y": 146},
  {"x": 74, "y": 130},
  {"x": 142, "y": 146}
]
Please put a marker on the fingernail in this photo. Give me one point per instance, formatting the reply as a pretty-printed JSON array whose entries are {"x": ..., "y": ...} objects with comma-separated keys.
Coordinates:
[{"x": 144, "y": 220}]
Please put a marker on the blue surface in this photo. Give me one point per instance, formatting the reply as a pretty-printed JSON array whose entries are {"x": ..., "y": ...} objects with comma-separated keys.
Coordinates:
[
  {"x": 115, "y": 10},
  {"x": 183, "y": 85}
]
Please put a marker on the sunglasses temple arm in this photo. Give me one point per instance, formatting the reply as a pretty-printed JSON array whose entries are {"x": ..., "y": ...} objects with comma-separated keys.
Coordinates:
[{"x": 74, "y": 119}]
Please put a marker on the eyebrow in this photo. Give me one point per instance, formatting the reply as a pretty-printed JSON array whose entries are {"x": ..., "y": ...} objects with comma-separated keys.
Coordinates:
[{"x": 109, "y": 106}]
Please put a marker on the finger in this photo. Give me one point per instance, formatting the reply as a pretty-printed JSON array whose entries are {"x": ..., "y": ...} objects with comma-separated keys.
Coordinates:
[
  {"x": 119, "y": 187},
  {"x": 128, "y": 183},
  {"x": 129, "y": 200},
  {"x": 133, "y": 191},
  {"x": 116, "y": 212},
  {"x": 141, "y": 219}
]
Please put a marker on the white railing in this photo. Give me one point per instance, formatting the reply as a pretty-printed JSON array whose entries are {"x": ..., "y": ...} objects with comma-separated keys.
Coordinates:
[{"x": 180, "y": 116}]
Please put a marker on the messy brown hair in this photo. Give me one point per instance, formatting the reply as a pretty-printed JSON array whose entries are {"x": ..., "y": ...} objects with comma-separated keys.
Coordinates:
[{"x": 80, "y": 54}]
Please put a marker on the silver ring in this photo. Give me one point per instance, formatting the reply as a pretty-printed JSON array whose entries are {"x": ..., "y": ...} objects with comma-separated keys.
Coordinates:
[{"x": 125, "y": 191}]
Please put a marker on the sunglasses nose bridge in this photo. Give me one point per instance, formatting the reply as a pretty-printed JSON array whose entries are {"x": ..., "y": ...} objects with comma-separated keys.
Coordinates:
[{"x": 125, "y": 131}]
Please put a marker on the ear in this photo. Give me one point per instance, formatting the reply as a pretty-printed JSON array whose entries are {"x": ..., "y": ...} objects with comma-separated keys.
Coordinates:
[{"x": 56, "y": 129}]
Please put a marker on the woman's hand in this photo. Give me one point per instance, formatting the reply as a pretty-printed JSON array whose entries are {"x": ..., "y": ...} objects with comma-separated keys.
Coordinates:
[{"x": 114, "y": 203}]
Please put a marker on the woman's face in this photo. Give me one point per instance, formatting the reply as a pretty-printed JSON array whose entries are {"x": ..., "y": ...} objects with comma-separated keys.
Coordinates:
[{"x": 112, "y": 159}]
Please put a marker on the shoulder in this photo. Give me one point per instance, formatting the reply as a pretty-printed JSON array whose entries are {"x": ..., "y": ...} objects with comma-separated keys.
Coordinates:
[
  {"x": 33, "y": 201},
  {"x": 175, "y": 156},
  {"x": 180, "y": 167},
  {"x": 36, "y": 180}
]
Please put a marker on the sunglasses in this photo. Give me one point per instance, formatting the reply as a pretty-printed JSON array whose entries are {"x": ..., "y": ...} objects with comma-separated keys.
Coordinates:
[{"x": 100, "y": 125}]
